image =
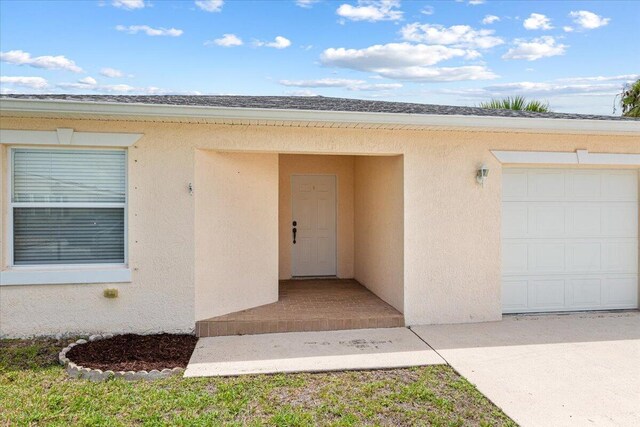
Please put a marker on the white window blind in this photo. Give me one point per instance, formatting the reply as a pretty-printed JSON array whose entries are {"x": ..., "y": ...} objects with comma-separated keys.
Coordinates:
[{"x": 68, "y": 206}]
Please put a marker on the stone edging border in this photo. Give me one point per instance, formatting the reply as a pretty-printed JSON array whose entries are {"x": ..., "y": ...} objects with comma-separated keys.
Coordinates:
[{"x": 76, "y": 371}]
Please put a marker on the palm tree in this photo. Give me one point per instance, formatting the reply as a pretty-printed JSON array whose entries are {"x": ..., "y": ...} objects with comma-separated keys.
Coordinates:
[
  {"x": 630, "y": 100},
  {"x": 516, "y": 103}
]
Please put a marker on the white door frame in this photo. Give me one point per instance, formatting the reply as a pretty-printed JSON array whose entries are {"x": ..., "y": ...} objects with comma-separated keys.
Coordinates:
[{"x": 335, "y": 218}]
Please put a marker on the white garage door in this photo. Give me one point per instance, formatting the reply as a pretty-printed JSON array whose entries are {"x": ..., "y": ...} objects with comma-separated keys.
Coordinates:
[{"x": 569, "y": 240}]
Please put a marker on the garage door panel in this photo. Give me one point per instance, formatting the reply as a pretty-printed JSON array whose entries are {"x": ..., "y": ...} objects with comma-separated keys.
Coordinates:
[
  {"x": 620, "y": 257},
  {"x": 584, "y": 220},
  {"x": 547, "y": 220},
  {"x": 585, "y": 293},
  {"x": 569, "y": 240},
  {"x": 584, "y": 257},
  {"x": 515, "y": 221},
  {"x": 515, "y": 294},
  {"x": 547, "y": 257},
  {"x": 516, "y": 187},
  {"x": 620, "y": 220},
  {"x": 584, "y": 185},
  {"x": 547, "y": 294},
  {"x": 621, "y": 292},
  {"x": 515, "y": 258},
  {"x": 546, "y": 184},
  {"x": 620, "y": 186}
]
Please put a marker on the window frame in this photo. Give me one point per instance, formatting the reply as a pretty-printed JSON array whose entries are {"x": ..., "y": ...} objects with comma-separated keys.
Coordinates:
[{"x": 12, "y": 205}]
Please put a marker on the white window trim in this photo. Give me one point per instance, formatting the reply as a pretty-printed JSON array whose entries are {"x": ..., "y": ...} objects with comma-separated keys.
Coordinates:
[
  {"x": 63, "y": 273},
  {"x": 67, "y": 136},
  {"x": 579, "y": 157}
]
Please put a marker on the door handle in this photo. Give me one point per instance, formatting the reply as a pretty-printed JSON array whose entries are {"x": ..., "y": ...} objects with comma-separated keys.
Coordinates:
[{"x": 295, "y": 230}]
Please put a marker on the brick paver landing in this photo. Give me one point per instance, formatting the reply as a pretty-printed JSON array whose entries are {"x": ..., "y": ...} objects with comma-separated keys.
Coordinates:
[{"x": 308, "y": 305}]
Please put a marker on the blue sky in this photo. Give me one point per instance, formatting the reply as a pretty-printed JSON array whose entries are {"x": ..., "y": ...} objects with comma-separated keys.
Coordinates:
[{"x": 575, "y": 55}]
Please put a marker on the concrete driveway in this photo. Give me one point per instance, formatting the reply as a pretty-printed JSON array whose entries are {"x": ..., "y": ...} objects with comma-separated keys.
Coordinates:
[{"x": 553, "y": 370}]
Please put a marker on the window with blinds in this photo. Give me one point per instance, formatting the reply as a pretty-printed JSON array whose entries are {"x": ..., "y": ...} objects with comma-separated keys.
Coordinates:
[{"x": 68, "y": 206}]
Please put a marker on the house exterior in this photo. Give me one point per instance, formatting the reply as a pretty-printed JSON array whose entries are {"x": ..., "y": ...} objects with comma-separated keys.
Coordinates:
[{"x": 186, "y": 206}]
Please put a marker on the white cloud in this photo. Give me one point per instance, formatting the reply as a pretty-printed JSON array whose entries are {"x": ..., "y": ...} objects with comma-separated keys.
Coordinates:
[
  {"x": 349, "y": 84},
  {"x": 588, "y": 20},
  {"x": 128, "y": 4},
  {"x": 567, "y": 29},
  {"x": 537, "y": 48},
  {"x": 622, "y": 78},
  {"x": 552, "y": 89},
  {"x": 376, "y": 87},
  {"x": 135, "y": 29},
  {"x": 392, "y": 55},
  {"x": 278, "y": 43},
  {"x": 89, "y": 84},
  {"x": 405, "y": 61},
  {"x": 427, "y": 10},
  {"x": 111, "y": 72},
  {"x": 306, "y": 3},
  {"x": 27, "y": 82},
  {"x": 439, "y": 74},
  {"x": 304, "y": 92},
  {"x": 371, "y": 10},
  {"x": 322, "y": 83},
  {"x": 537, "y": 21},
  {"x": 210, "y": 5},
  {"x": 19, "y": 57},
  {"x": 456, "y": 35},
  {"x": 571, "y": 86},
  {"x": 88, "y": 80},
  {"x": 490, "y": 19},
  {"x": 476, "y": 2},
  {"x": 227, "y": 40}
]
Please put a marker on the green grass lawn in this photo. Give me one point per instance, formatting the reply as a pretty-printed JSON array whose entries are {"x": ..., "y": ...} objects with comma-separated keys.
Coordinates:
[{"x": 35, "y": 390}]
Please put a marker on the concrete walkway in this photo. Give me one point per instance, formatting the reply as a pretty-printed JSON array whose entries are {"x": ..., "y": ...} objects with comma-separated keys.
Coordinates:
[
  {"x": 560, "y": 370},
  {"x": 309, "y": 352}
]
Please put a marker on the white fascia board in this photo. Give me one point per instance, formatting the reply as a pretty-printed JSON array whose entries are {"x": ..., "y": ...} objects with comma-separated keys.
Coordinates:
[
  {"x": 64, "y": 276},
  {"x": 65, "y": 136},
  {"x": 580, "y": 157},
  {"x": 268, "y": 114}
]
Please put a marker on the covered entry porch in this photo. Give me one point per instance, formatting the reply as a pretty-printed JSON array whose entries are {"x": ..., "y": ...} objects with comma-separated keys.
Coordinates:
[
  {"x": 276, "y": 253},
  {"x": 308, "y": 305}
]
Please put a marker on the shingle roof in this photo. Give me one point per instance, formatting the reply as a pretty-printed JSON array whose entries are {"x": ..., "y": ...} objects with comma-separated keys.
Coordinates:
[{"x": 312, "y": 103}]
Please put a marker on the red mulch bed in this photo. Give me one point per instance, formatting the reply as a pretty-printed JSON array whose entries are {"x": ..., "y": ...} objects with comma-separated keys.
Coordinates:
[{"x": 131, "y": 352}]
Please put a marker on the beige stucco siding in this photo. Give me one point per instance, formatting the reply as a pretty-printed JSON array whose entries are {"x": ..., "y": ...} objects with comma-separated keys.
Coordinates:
[
  {"x": 343, "y": 168},
  {"x": 452, "y": 262},
  {"x": 379, "y": 231},
  {"x": 236, "y": 223}
]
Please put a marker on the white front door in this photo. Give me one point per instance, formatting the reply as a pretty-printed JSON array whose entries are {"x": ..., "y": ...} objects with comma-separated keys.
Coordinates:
[
  {"x": 569, "y": 240},
  {"x": 313, "y": 199}
]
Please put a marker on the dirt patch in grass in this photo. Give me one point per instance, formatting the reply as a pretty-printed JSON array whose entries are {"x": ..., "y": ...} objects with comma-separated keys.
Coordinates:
[
  {"x": 131, "y": 352},
  {"x": 30, "y": 353}
]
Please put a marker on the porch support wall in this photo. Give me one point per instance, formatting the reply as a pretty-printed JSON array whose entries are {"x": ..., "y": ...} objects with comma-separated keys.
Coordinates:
[
  {"x": 379, "y": 227},
  {"x": 236, "y": 224}
]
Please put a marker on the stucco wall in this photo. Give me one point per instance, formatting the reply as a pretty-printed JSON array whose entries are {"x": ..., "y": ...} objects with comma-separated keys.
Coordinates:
[
  {"x": 379, "y": 231},
  {"x": 451, "y": 225},
  {"x": 340, "y": 166},
  {"x": 236, "y": 239}
]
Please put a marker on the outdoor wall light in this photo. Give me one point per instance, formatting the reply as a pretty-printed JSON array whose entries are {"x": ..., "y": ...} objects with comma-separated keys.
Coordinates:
[{"x": 482, "y": 174}]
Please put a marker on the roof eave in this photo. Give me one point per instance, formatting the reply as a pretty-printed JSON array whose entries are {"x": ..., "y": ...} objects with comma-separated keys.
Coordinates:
[{"x": 188, "y": 112}]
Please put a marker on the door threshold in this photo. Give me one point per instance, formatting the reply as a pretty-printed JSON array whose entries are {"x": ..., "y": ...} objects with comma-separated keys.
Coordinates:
[{"x": 313, "y": 277}]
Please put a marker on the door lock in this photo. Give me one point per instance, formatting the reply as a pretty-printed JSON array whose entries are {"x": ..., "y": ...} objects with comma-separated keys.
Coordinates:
[{"x": 295, "y": 230}]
